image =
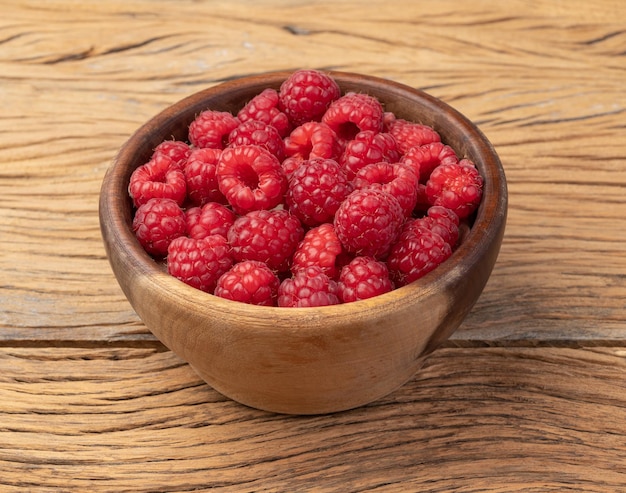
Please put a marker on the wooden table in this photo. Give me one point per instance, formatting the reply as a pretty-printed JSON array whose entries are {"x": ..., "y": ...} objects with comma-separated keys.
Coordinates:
[{"x": 528, "y": 396}]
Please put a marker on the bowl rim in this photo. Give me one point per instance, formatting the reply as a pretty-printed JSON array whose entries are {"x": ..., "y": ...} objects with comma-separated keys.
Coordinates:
[{"x": 488, "y": 223}]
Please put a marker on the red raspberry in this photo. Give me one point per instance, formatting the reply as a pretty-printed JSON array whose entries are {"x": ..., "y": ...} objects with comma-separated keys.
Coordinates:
[
  {"x": 290, "y": 164},
  {"x": 249, "y": 282},
  {"x": 308, "y": 288},
  {"x": 200, "y": 176},
  {"x": 306, "y": 95},
  {"x": 438, "y": 212},
  {"x": 417, "y": 252},
  {"x": 320, "y": 247},
  {"x": 411, "y": 134},
  {"x": 395, "y": 179},
  {"x": 442, "y": 226},
  {"x": 368, "y": 147},
  {"x": 158, "y": 178},
  {"x": 210, "y": 219},
  {"x": 267, "y": 236},
  {"x": 363, "y": 278},
  {"x": 176, "y": 149},
  {"x": 157, "y": 223},
  {"x": 316, "y": 190},
  {"x": 427, "y": 157},
  {"x": 251, "y": 178},
  {"x": 211, "y": 129},
  {"x": 388, "y": 118},
  {"x": 353, "y": 113},
  {"x": 368, "y": 222},
  {"x": 455, "y": 186},
  {"x": 311, "y": 140},
  {"x": 254, "y": 132},
  {"x": 199, "y": 262},
  {"x": 264, "y": 108}
]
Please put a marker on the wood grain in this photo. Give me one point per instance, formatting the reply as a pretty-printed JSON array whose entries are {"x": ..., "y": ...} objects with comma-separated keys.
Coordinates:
[
  {"x": 544, "y": 81},
  {"x": 523, "y": 420}
]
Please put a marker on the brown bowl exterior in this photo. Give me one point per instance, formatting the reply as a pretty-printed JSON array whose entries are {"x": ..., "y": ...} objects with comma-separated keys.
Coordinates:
[{"x": 305, "y": 360}]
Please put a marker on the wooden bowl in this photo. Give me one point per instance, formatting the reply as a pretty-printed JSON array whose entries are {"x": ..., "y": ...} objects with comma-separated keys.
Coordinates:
[{"x": 305, "y": 360}]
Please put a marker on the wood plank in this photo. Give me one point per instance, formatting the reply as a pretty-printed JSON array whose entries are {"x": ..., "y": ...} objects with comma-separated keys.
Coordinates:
[
  {"x": 491, "y": 419},
  {"x": 544, "y": 82}
]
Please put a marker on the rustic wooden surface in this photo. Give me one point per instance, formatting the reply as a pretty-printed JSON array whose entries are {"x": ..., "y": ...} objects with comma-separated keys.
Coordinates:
[{"x": 529, "y": 395}]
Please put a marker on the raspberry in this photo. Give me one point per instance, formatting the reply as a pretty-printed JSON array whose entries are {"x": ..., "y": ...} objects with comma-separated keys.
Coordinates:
[
  {"x": 411, "y": 134},
  {"x": 249, "y": 282},
  {"x": 368, "y": 147},
  {"x": 200, "y": 176},
  {"x": 267, "y": 236},
  {"x": 353, "y": 113},
  {"x": 199, "y": 262},
  {"x": 368, "y": 222},
  {"x": 395, "y": 179},
  {"x": 311, "y": 140},
  {"x": 251, "y": 178},
  {"x": 417, "y": 252},
  {"x": 308, "y": 288},
  {"x": 442, "y": 226},
  {"x": 210, "y": 219},
  {"x": 306, "y": 95},
  {"x": 264, "y": 108},
  {"x": 316, "y": 190},
  {"x": 211, "y": 129},
  {"x": 425, "y": 158},
  {"x": 320, "y": 247},
  {"x": 388, "y": 119},
  {"x": 455, "y": 186},
  {"x": 158, "y": 178},
  {"x": 363, "y": 278},
  {"x": 438, "y": 212},
  {"x": 254, "y": 132},
  {"x": 176, "y": 149},
  {"x": 157, "y": 223}
]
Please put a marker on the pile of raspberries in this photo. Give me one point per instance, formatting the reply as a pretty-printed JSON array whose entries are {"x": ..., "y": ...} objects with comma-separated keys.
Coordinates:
[{"x": 306, "y": 197}]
